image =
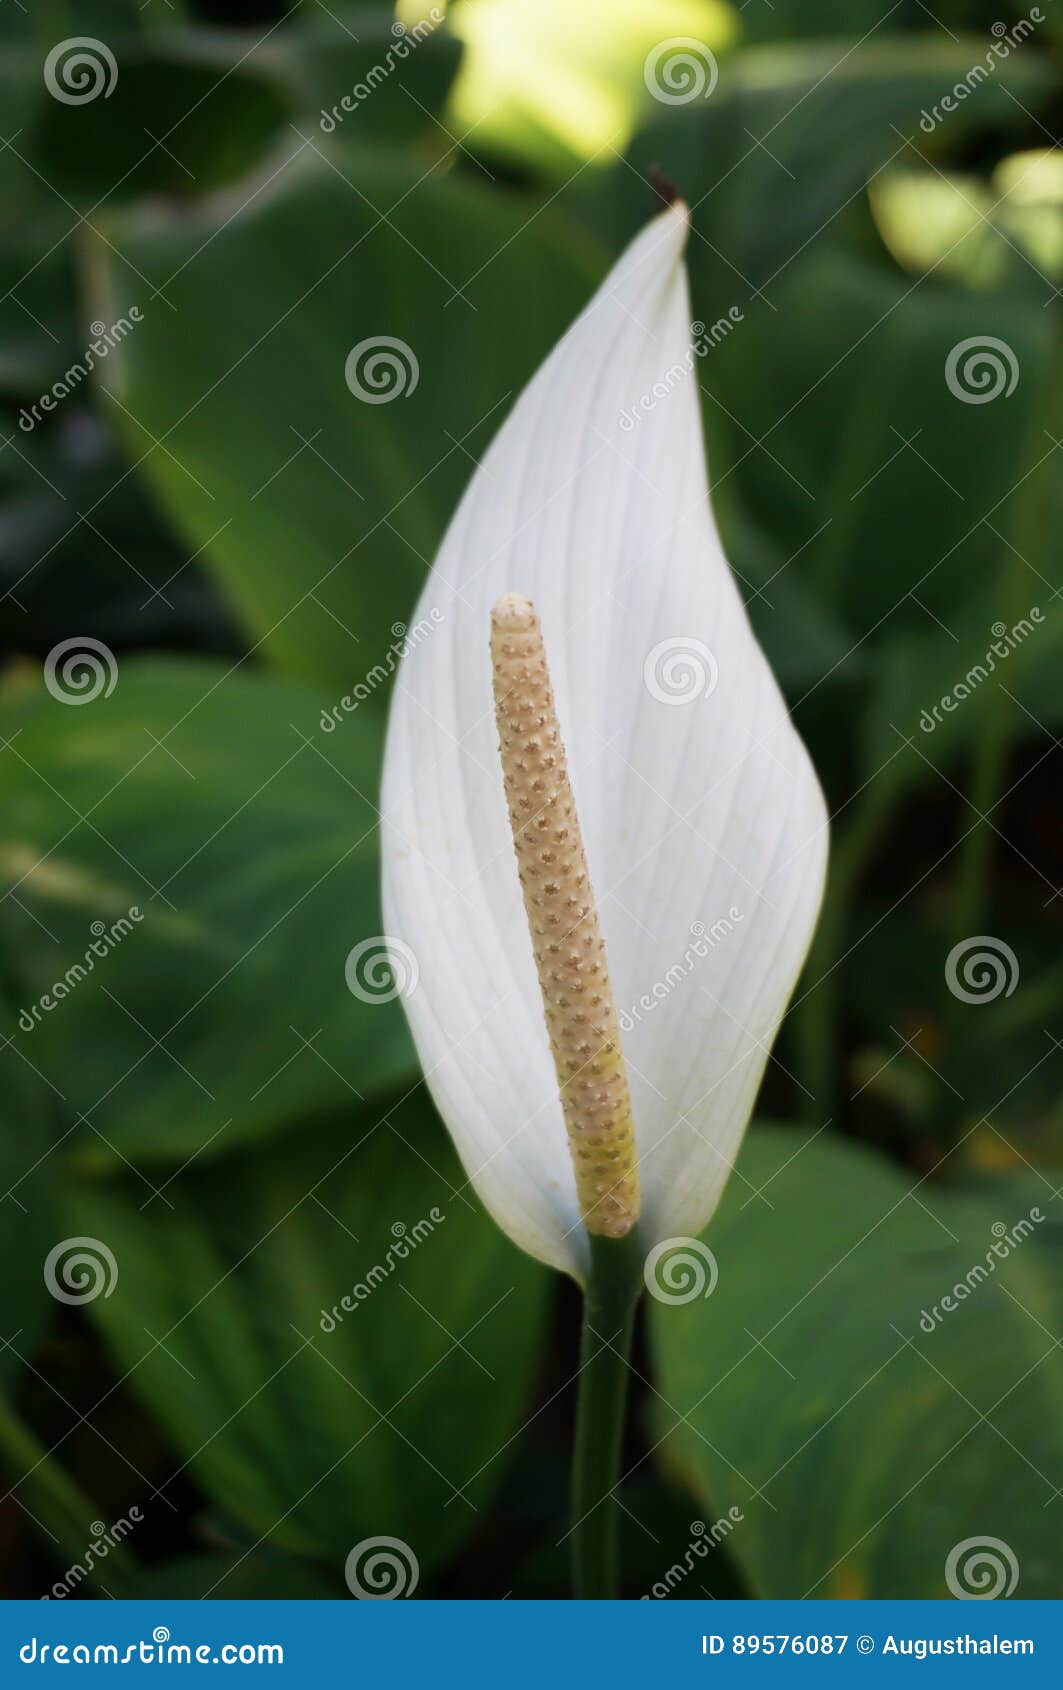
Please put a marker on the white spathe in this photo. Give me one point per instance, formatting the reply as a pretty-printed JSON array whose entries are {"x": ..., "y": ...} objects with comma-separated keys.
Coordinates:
[{"x": 704, "y": 825}]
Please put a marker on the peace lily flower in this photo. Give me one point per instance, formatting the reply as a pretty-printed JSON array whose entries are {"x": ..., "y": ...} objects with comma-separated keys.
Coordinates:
[{"x": 594, "y": 1038}]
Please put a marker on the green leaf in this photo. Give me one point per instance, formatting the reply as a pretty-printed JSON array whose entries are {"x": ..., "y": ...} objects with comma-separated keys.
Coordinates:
[
  {"x": 798, "y": 131},
  {"x": 27, "y": 1232},
  {"x": 176, "y": 113},
  {"x": 118, "y": 576},
  {"x": 22, "y": 194},
  {"x": 907, "y": 983},
  {"x": 932, "y": 693},
  {"x": 312, "y": 1425},
  {"x": 34, "y": 352},
  {"x": 790, "y": 20},
  {"x": 55, "y": 18},
  {"x": 892, "y": 503},
  {"x": 319, "y": 511},
  {"x": 865, "y": 476},
  {"x": 205, "y": 811},
  {"x": 263, "y": 1578},
  {"x": 892, "y": 1427},
  {"x": 802, "y": 635},
  {"x": 182, "y": 111},
  {"x": 861, "y": 381},
  {"x": 395, "y": 83},
  {"x": 985, "y": 234}
]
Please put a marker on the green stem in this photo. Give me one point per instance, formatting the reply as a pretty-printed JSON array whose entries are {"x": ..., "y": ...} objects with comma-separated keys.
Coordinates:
[
  {"x": 610, "y": 1300},
  {"x": 57, "y": 1503}
]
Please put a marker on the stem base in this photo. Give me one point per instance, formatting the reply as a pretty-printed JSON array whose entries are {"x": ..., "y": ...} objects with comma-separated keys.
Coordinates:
[{"x": 610, "y": 1301}]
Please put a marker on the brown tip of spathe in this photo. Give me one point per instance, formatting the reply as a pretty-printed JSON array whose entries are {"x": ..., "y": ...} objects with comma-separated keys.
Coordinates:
[{"x": 663, "y": 186}]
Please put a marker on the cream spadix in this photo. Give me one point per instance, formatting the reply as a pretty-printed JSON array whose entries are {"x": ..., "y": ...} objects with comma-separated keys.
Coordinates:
[
  {"x": 565, "y": 933},
  {"x": 701, "y": 816}
]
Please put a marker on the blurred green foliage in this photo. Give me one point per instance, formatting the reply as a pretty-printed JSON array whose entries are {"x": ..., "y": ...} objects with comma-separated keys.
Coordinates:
[
  {"x": 248, "y": 542},
  {"x": 925, "y": 1420}
]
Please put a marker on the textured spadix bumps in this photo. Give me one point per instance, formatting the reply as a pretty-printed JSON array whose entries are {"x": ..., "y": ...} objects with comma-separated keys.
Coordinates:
[
  {"x": 703, "y": 825},
  {"x": 565, "y": 933}
]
